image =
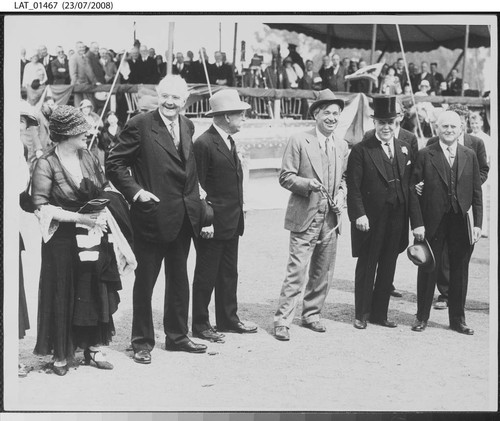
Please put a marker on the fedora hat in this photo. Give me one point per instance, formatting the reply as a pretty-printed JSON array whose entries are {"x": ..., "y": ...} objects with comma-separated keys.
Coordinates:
[
  {"x": 420, "y": 253},
  {"x": 225, "y": 101},
  {"x": 384, "y": 107},
  {"x": 326, "y": 97}
]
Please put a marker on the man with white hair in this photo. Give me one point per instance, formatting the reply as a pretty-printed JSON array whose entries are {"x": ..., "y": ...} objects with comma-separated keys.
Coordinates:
[{"x": 166, "y": 213}]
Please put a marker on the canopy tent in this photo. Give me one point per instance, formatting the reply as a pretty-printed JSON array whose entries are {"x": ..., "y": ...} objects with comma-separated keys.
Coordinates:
[{"x": 415, "y": 37}]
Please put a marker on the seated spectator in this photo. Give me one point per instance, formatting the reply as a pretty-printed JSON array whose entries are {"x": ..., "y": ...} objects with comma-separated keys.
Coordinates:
[
  {"x": 454, "y": 84},
  {"x": 311, "y": 79},
  {"x": 391, "y": 85},
  {"x": 407, "y": 89},
  {"x": 423, "y": 88},
  {"x": 60, "y": 68},
  {"x": 34, "y": 78},
  {"x": 220, "y": 73},
  {"x": 437, "y": 77},
  {"x": 443, "y": 89}
]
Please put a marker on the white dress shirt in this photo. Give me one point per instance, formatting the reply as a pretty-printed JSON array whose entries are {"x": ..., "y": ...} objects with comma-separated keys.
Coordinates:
[
  {"x": 446, "y": 152},
  {"x": 384, "y": 147}
]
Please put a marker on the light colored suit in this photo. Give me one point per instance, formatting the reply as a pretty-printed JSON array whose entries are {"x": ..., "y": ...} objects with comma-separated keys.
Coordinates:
[{"x": 313, "y": 236}]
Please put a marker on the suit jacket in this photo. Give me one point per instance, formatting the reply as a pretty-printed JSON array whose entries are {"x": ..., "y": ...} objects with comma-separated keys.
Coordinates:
[
  {"x": 48, "y": 68},
  {"x": 368, "y": 185},
  {"x": 302, "y": 162},
  {"x": 221, "y": 176},
  {"x": 431, "y": 167},
  {"x": 60, "y": 72},
  {"x": 477, "y": 145},
  {"x": 307, "y": 82},
  {"x": 96, "y": 66},
  {"x": 135, "y": 71},
  {"x": 455, "y": 86},
  {"x": 148, "y": 71},
  {"x": 184, "y": 73},
  {"x": 80, "y": 70},
  {"x": 223, "y": 72},
  {"x": 335, "y": 82},
  {"x": 147, "y": 148}
]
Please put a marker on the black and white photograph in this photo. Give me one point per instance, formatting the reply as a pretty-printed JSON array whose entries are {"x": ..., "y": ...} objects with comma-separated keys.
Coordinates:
[{"x": 250, "y": 212}]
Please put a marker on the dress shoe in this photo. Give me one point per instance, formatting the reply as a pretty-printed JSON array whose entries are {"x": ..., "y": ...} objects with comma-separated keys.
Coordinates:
[
  {"x": 185, "y": 346},
  {"x": 60, "y": 370},
  {"x": 360, "y": 324},
  {"x": 315, "y": 326},
  {"x": 462, "y": 328},
  {"x": 396, "y": 293},
  {"x": 209, "y": 335},
  {"x": 419, "y": 326},
  {"x": 281, "y": 333},
  {"x": 239, "y": 327},
  {"x": 441, "y": 305},
  {"x": 142, "y": 357},
  {"x": 385, "y": 323},
  {"x": 90, "y": 355}
]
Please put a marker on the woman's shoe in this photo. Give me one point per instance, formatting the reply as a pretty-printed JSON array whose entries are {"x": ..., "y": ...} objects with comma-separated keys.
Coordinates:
[
  {"x": 60, "y": 370},
  {"x": 90, "y": 356}
]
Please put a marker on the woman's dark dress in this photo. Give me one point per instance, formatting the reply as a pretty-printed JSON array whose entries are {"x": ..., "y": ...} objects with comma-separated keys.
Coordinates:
[{"x": 76, "y": 299}]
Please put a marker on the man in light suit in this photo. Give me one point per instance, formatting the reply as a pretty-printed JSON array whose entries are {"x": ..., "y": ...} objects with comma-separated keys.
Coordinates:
[
  {"x": 452, "y": 180},
  {"x": 378, "y": 176},
  {"x": 313, "y": 170},
  {"x": 80, "y": 72},
  {"x": 166, "y": 213},
  {"x": 221, "y": 177}
]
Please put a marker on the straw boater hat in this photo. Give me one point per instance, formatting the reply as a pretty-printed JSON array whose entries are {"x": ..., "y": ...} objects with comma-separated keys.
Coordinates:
[
  {"x": 28, "y": 112},
  {"x": 420, "y": 253},
  {"x": 224, "y": 101},
  {"x": 66, "y": 120},
  {"x": 384, "y": 107},
  {"x": 326, "y": 96}
]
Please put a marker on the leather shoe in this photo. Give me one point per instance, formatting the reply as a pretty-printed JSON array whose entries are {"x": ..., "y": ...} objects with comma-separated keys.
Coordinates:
[
  {"x": 462, "y": 328},
  {"x": 281, "y": 333},
  {"x": 187, "y": 346},
  {"x": 315, "y": 326},
  {"x": 385, "y": 323},
  {"x": 209, "y": 335},
  {"x": 441, "y": 305},
  {"x": 60, "y": 370},
  {"x": 419, "y": 326},
  {"x": 239, "y": 327},
  {"x": 142, "y": 357},
  {"x": 360, "y": 324},
  {"x": 396, "y": 293}
]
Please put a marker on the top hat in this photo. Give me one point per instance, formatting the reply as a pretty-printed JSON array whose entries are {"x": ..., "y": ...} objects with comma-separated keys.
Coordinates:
[
  {"x": 224, "y": 101},
  {"x": 420, "y": 253},
  {"x": 326, "y": 96},
  {"x": 384, "y": 107}
]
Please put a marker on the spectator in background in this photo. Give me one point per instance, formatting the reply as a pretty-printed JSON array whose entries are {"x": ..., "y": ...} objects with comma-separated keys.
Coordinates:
[
  {"x": 437, "y": 78},
  {"x": 311, "y": 79},
  {"x": 361, "y": 85},
  {"x": 220, "y": 73},
  {"x": 346, "y": 62},
  {"x": 134, "y": 63},
  {"x": 24, "y": 61},
  {"x": 60, "y": 68},
  {"x": 109, "y": 67},
  {"x": 326, "y": 71},
  {"x": 45, "y": 59},
  {"x": 152, "y": 53},
  {"x": 295, "y": 56},
  {"x": 110, "y": 132},
  {"x": 401, "y": 72},
  {"x": 93, "y": 59},
  {"x": 407, "y": 89},
  {"x": 290, "y": 77},
  {"x": 424, "y": 88},
  {"x": 148, "y": 68},
  {"x": 34, "y": 78},
  {"x": 337, "y": 82},
  {"x": 197, "y": 71},
  {"x": 382, "y": 75},
  {"x": 80, "y": 71},
  {"x": 443, "y": 89},
  {"x": 412, "y": 69},
  {"x": 190, "y": 58},
  {"x": 454, "y": 83},
  {"x": 425, "y": 75},
  {"x": 96, "y": 124},
  {"x": 391, "y": 84},
  {"x": 161, "y": 66},
  {"x": 181, "y": 68},
  {"x": 352, "y": 66}
]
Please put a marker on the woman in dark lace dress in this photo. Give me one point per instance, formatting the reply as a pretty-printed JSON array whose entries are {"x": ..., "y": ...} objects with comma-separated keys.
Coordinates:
[{"x": 79, "y": 280}]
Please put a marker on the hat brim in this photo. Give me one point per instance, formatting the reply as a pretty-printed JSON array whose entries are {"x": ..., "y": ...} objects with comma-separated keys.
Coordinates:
[
  {"x": 385, "y": 117},
  {"x": 430, "y": 266},
  {"x": 31, "y": 120},
  {"x": 243, "y": 106},
  {"x": 314, "y": 105}
]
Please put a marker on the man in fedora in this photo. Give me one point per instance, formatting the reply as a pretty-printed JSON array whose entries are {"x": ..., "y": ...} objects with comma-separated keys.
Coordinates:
[
  {"x": 378, "y": 176},
  {"x": 452, "y": 179},
  {"x": 154, "y": 167},
  {"x": 313, "y": 169},
  {"x": 221, "y": 177}
]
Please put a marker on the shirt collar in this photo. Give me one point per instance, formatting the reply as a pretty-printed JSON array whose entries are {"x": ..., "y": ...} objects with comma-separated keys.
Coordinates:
[
  {"x": 222, "y": 133},
  {"x": 169, "y": 122},
  {"x": 321, "y": 137},
  {"x": 444, "y": 147},
  {"x": 390, "y": 142}
]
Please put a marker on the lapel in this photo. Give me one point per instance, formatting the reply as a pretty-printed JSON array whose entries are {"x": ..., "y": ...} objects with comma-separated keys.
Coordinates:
[
  {"x": 462, "y": 160},
  {"x": 400, "y": 156},
  {"x": 162, "y": 136},
  {"x": 439, "y": 161},
  {"x": 313, "y": 152},
  {"x": 221, "y": 145},
  {"x": 375, "y": 152},
  {"x": 468, "y": 141},
  {"x": 338, "y": 163}
]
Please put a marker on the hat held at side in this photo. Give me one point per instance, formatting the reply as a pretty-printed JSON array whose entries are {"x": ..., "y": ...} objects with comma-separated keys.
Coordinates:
[
  {"x": 226, "y": 101},
  {"x": 420, "y": 253}
]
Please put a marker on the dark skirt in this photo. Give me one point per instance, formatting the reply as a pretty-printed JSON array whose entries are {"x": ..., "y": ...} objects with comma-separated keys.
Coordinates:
[
  {"x": 76, "y": 300},
  {"x": 24, "y": 323}
]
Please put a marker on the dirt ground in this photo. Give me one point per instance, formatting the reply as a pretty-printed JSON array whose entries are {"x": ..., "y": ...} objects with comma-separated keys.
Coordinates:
[{"x": 344, "y": 369}]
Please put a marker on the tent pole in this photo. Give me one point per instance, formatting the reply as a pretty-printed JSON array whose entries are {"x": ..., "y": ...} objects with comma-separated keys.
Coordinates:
[
  {"x": 465, "y": 57},
  {"x": 374, "y": 41},
  {"x": 455, "y": 64},
  {"x": 171, "y": 27},
  {"x": 220, "y": 36},
  {"x": 408, "y": 74},
  {"x": 328, "y": 38}
]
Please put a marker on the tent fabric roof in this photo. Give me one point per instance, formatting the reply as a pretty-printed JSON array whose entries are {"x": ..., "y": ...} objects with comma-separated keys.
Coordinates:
[{"x": 415, "y": 37}]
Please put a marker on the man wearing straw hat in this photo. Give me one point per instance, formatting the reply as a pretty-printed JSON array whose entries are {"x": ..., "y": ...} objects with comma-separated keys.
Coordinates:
[
  {"x": 221, "y": 177},
  {"x": 166, "y": 213},
  {"x": 378, "y": 176},
  {"x": 313, "y": 171}
]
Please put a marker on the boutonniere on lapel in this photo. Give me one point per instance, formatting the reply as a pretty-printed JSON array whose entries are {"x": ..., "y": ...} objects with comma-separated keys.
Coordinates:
[{"x": 404, "y": 150}]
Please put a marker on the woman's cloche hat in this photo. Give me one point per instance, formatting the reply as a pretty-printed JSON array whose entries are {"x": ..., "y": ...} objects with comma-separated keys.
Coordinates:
[
  {"x": 66, "y": 120},
  {"x": 224, "y": 101}
]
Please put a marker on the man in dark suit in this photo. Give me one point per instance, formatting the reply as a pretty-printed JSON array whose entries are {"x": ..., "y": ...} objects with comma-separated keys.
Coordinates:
[
  {"x": 180, "y": 68},
  {"x": 425, "y": 75},
  {"x": 454, "y": 84},
  {"x": 452, "y": 181},
  {"x": 336, "y": 81},
  {"x": 221, "y": 177},
  {"x": 93, "y": 58},
  {"x": 438, "y": 78},
  {"x": 378, "y": 176},
  {"x": 311, "y": 79},
  {"x": 134, "y": 63},
  {"x": 406, "y": 137},
  {"x": 60, "y": 68},
  {"x": 154, "y": 167},
  {"x": 46, "y": 59},
  {"x": 220, "y": 73},
  {"x": 148, "y": 70}
]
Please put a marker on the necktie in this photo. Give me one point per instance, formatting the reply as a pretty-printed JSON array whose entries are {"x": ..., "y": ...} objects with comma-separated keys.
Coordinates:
[
  {"x": 233, "y": 149},
  {"x": 391, "y": 156},
  {"x": 327, "y": 147},
  {"x": 172, "y": 133},
  {"x": 451, "y": 156}
]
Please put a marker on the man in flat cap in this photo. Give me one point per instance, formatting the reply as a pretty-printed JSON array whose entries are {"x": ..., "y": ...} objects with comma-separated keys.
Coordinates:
[
  {"x": 221, "y": 177},
  {"x": 313, "y": 169},
  {"x": 378, "y": 176}
]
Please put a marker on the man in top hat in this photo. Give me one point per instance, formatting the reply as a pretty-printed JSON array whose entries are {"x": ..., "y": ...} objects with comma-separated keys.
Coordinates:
[
  {"x": 313, "y": 169},
  {"x": 378, "y": 176},
  {"x": 221, "y": 177},
  {"x": 450, "y": 172},
  {"x": 154, "y": 167}
]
